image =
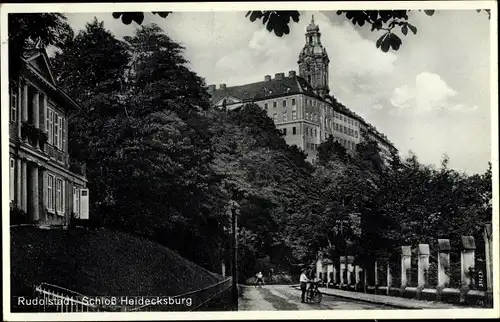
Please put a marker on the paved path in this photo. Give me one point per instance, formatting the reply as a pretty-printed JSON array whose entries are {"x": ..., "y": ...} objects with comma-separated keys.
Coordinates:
[{"x": 285, "y": 297}]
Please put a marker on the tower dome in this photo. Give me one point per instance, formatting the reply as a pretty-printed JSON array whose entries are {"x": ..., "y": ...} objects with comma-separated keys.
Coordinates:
[{"x": 312, "y": 26}]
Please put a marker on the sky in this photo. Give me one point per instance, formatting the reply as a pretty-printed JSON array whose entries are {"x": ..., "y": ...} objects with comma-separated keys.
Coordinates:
[{"x": 431, "y": 97}]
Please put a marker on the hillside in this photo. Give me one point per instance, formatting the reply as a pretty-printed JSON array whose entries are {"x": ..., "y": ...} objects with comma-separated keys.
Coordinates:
[{"x": 100, "y": 263}]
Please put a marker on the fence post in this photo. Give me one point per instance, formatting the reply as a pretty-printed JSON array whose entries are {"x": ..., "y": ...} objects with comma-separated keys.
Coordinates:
[
  {"x": 389, "y": 276},
  {"x": 334, "y": 275},
  {"x": 423, "y": 266},
  {"x": 365, "y": 278},
  {"x": 329, "y": 271},
  {"x": 443, "y": 266},
  {"x": 467, "y": 266},
  {"x": 357, "y": 270},
  {"x": 343, "y": 267},
  {"x": 405, "y": 265},
  {"x": 350, "y": 270},
  {"x": 487, "y": 235},
  {"x": 376, "y": 276}
]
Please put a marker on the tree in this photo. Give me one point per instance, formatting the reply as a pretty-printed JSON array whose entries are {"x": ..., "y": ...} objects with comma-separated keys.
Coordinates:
[{"x": 29, "y": 30}]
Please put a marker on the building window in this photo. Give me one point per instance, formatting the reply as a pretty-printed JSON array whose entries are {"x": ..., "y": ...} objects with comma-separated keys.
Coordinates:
[
  {"x": 316, "y": 133},
  {"x": 284, "y": 103},
  {"x": 60, "y": 195},
  {"x": 12, "y": 169},
  {"x": 294, "y": 130},
  {"x": 275, "y": 117},
  {"x": 293, "y": 101},
  {"x": 307, "y": 115},
  {"x": 284, "y": 131},
  {"x": 266, "y": 106},
  {"x": 275, "y": 104},
  {"x": 285, "y": 117},
  {"x": 294, "y": 115},
  {"x": 50, "y": 192},
  {"x": 76, "y": 201},
  {"x": 13, "y": 107}
]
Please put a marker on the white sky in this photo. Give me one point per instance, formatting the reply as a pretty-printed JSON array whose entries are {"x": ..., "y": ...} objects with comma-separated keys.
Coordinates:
[{"x": 431, "y": 97}]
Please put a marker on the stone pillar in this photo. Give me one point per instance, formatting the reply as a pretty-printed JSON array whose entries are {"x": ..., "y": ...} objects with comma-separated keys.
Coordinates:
[
  {"x": 18, "y": 184},
  {"x": 443, "y": 263},
  {"x": 389, "y": 277},
  {"x": 350, "y": 270},
  {"x": 34, "y": 206},
  {"x": 488, "y": 236},
  {"x": 36, "y": 110},
  {"x": 329, "y": 273},
  {"x": 423, "y": 266},
  {"x": 467, "y": 260},
  {"x": 405, "y": 266},
  {"x": 24, "y": 185},
  {"x": 319, "y": 268},
  {"x": 343, "y": 267},
  {"x": 42, "y": 191},
  {"x": 467, "y": 266},
  {"x": 376, "y": 276},
  {"x": 334, "y": 275},
  {"x": 357, "y": 279},
  {"x": 365, "y": 279}
]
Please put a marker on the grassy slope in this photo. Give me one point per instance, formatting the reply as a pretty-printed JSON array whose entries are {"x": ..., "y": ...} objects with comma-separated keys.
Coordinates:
[{"x": 101, "y": 262}]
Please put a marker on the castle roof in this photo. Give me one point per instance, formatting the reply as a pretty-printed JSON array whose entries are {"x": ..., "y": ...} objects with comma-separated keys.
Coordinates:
[{"x": 279, "y": 86}]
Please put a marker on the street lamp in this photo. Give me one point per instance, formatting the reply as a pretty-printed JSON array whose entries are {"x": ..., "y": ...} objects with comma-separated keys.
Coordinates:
[{"x": 234, "y": 266}]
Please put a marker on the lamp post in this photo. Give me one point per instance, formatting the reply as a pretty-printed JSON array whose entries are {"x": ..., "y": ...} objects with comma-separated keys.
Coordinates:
[{"x": 234, "y": 265}]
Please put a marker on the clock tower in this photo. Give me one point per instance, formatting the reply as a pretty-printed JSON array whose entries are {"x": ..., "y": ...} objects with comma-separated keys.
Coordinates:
[{"x": 313, "y": 61}]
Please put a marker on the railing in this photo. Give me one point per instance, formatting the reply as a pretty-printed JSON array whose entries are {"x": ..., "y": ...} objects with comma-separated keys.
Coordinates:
[
  {"x": 421, "y": 275},
  {"x": 54, "y": 298}
]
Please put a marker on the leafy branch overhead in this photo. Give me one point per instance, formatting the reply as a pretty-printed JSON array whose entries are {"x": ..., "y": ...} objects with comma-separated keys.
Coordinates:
[{"x": 279, "y": 22}]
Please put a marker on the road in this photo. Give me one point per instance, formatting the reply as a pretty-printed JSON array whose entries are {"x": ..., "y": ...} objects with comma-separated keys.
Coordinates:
[{"x": 284, "y": 297}]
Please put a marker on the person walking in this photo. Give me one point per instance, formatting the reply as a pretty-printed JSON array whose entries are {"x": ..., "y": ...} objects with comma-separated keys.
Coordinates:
[
  {"x": 303, "y": 285},
  {"x": 260, "y": 279}
]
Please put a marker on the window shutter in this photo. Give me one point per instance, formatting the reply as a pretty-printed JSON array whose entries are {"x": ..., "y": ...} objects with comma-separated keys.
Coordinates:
[
  {"x": 63, "y": 186},
  {"x": 75, "y": 210},
  {"x": 84, "y": 203},
  {"x": 63, "y": 135}
]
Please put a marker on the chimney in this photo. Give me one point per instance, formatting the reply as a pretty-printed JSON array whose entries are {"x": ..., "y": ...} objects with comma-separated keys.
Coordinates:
[
  {"x": 279, "y": 76},
  {"x": 222, "y": 86},
  {"x": 211, "y": 88},
  {"x": 267, "y": 78},
  {"x": 291, "y": 74}
]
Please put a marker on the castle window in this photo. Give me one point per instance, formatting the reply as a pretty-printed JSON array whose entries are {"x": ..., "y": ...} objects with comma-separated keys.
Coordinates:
[
  {"x": 294, "y": 130},
  {"x": 315, "y": 133},
  {"x": 284, "y": 103},
  {"x": 284, "y": 131},
  {"x": 266, "y": 106},
  {"x": 293, "y": 101},
  {"x": 294, "y": 115},
  {"x": 275, "y": 104},
  {"x": 275, "y": 117}
]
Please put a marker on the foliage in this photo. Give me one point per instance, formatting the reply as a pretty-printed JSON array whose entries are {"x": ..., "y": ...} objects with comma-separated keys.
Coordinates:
[
  {"x": 278, "y": 22},
  {"x": 28, "y": 30}
]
